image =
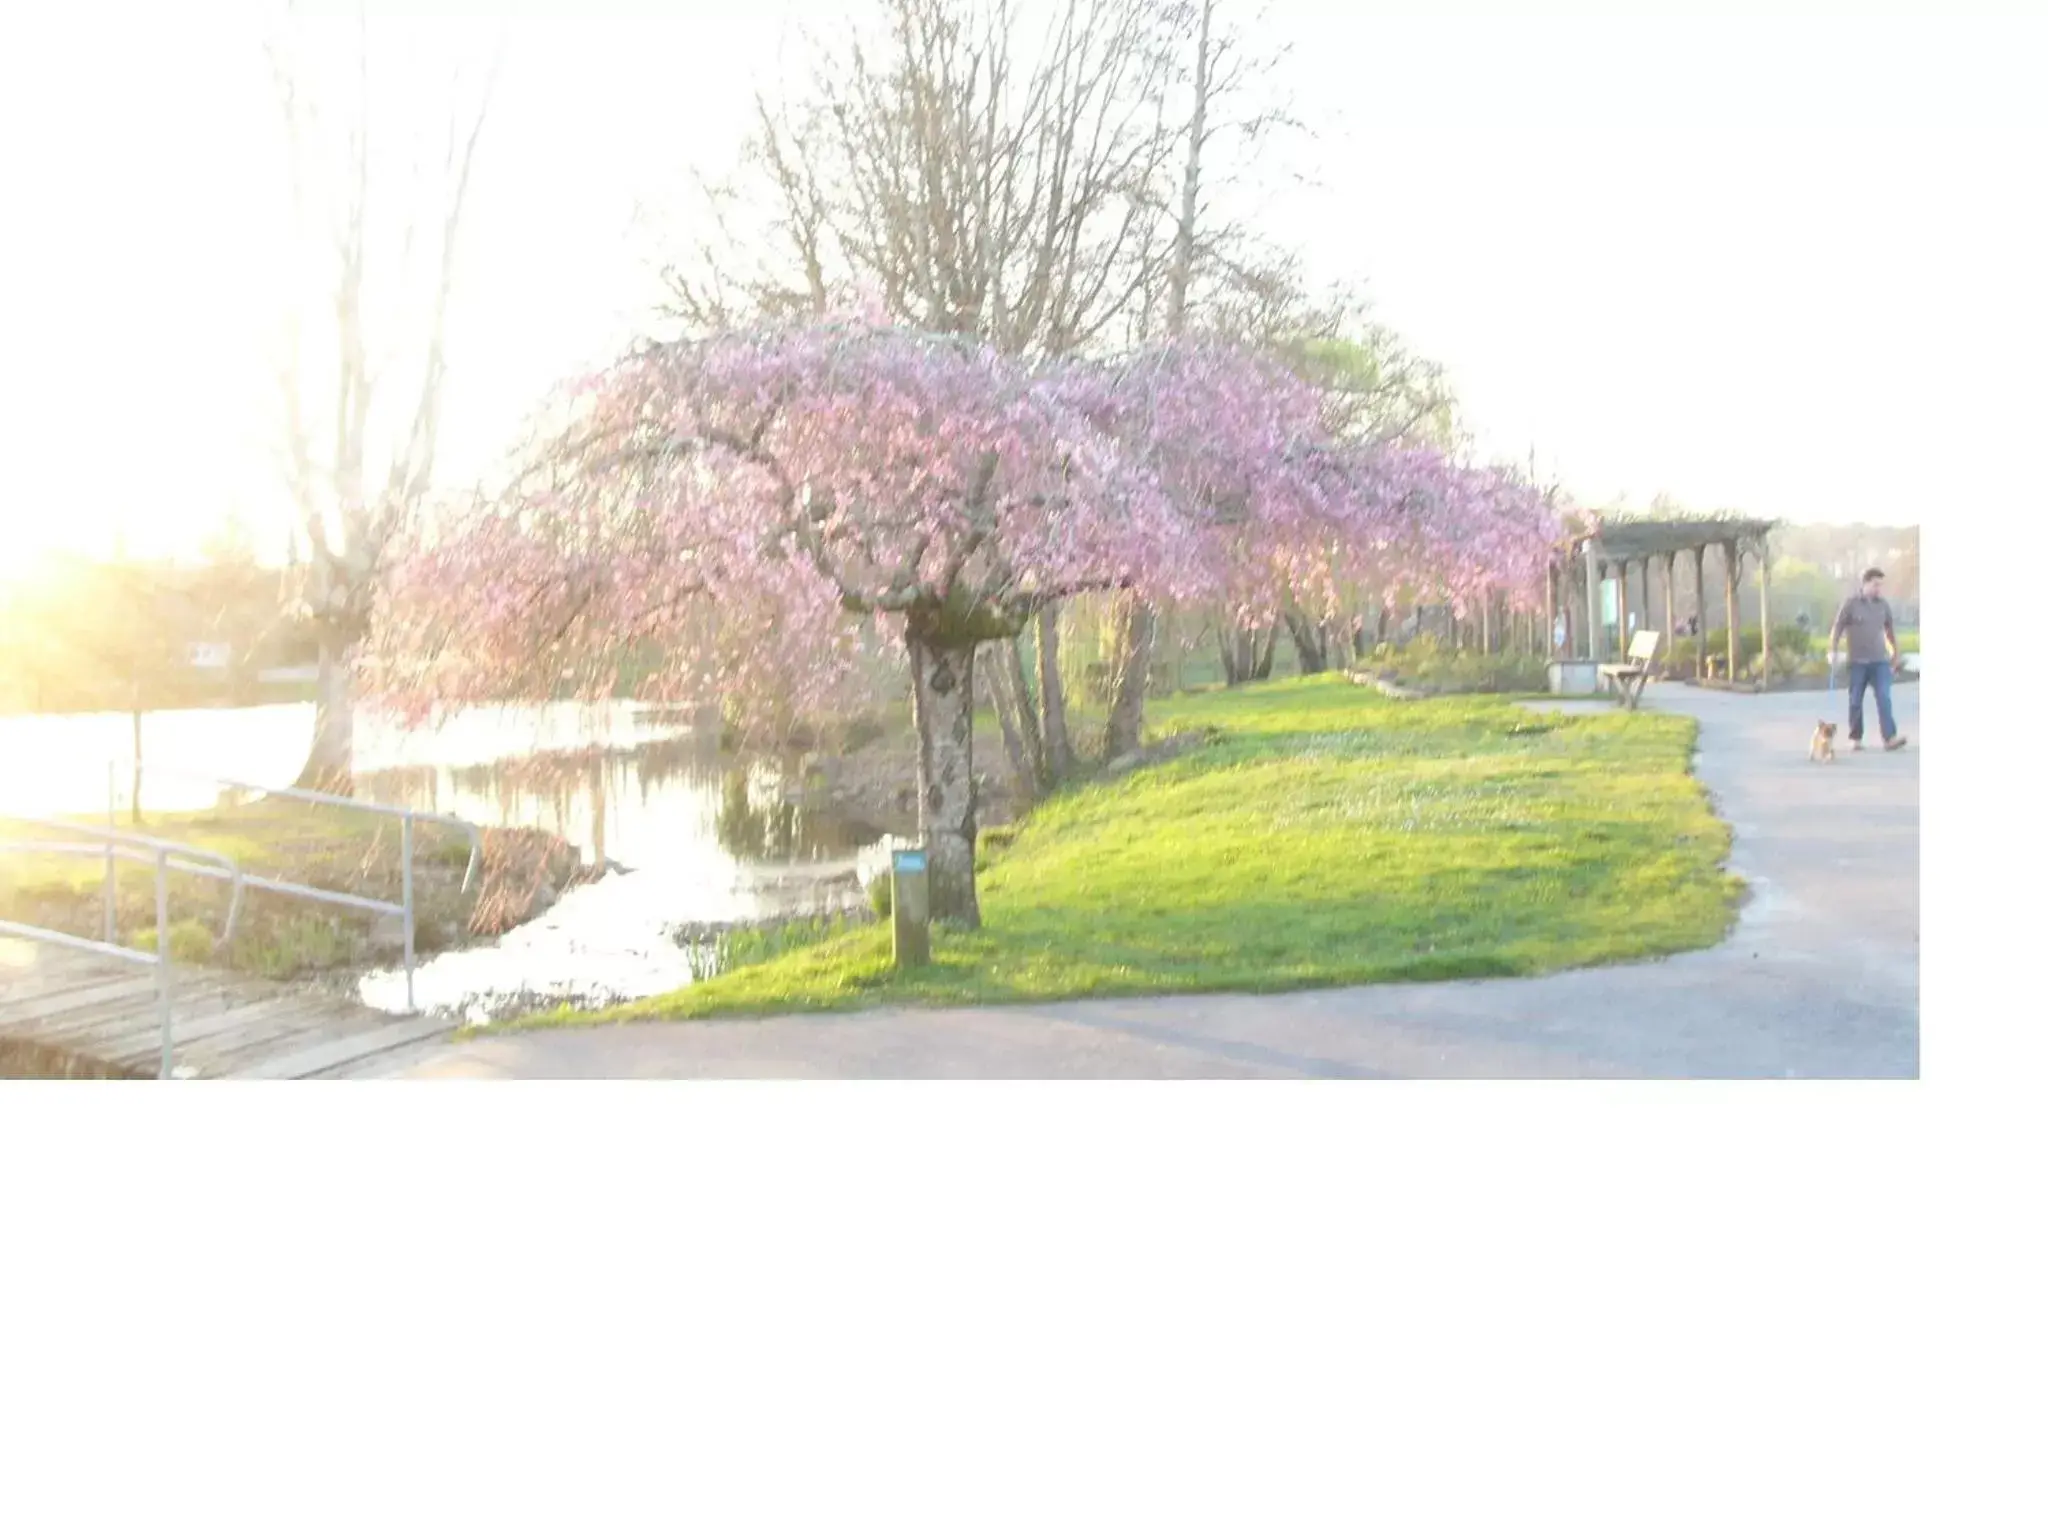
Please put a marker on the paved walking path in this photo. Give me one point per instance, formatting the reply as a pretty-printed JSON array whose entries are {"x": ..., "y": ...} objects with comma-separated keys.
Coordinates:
[{"x": 1821, "y": 977}]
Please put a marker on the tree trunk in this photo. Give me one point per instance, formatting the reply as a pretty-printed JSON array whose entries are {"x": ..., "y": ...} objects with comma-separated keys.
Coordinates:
[
  {"x": 1014, "y": 712},
  {"x": 1263, "y": 667},
  {"x": 1011, "y": 658},
  {"x": 1310, "y": 644},
  {"x": 942, "y": 708},
  {"x": 1052, "y": 698},
  {"x": 1191, "y": 186},
  {"x": 1240, "y": 648},
  {"x": 331, "y": 764},
  {"x": 1131, "y": 661}
]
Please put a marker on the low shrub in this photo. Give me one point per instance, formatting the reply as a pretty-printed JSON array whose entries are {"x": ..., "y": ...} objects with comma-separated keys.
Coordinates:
[
  {"x": 191, "y": 941},
  {"x": 1791, "y": 647},
  {"x": 1427, "y": 663}
]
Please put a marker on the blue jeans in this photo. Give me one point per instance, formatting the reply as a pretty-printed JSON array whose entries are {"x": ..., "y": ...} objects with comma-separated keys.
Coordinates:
[{"x": 1877, "y": 675}]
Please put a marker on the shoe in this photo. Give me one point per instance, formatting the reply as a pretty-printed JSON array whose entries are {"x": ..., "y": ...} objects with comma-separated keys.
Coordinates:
[
  {"x": 1855, "y": 746},
  {"x": 1895, "y": 743}
]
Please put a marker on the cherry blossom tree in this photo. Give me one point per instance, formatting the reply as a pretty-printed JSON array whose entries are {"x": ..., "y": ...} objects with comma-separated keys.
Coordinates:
[
  {"x": 747, "y": 499},
  {"x": 751, "y": 502}
]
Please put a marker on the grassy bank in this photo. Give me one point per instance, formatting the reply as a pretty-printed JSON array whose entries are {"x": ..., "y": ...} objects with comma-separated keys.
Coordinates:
[
  {"x": 327, "y": 847},
  {"x": 1330, "y": 836}
]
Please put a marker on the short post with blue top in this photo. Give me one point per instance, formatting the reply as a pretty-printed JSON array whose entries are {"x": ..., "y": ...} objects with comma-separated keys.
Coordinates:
[{"x": 910, "y": 905}]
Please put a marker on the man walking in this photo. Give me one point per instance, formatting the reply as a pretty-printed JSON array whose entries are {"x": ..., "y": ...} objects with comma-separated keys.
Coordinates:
[{"x": 1866, "y": 618}]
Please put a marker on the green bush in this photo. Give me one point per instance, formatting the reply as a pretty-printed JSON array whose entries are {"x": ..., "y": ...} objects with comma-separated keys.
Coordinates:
[
  {"x": 1427, "y": 662},
  {"x": 1791, "y": 646},
  {"x": 191, "y": 941},
  {"x": 881, "y": 895},
  {"x": 294, "y": 947}
]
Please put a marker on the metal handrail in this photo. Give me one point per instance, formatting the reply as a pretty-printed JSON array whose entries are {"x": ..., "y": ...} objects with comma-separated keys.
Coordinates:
[
  {"x": 186, "y": 858},
  {"x": 403, "y": 909},
  {"x": 318, "y": 797},
  {"x": 165, "y": 856}
]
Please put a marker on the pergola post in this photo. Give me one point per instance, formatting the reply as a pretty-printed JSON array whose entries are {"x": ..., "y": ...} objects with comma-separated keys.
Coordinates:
[
  {"x": 1699, "y": 610},
  {"x": 1594, "y": 637},
  {"x": 1763, "y": 601},
  {"x": 1731, "y": 554},
  {"x": 1549, "y": 646},
  {"x": 1643, "y": 613},
  {"x": 1670, "y": 608},
  {"x": 1621, "y": 614}
]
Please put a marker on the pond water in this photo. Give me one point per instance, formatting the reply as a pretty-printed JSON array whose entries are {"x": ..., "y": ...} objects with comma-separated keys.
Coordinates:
[{"x": 692, "y": 834}]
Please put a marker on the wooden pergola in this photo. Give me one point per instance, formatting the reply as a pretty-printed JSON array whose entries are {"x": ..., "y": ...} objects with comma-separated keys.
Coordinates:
[{"x": 1580, "y": 563}]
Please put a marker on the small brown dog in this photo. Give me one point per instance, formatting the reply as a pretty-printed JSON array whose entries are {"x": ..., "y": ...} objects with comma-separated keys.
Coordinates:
[{"x": 1822, "y": 749}]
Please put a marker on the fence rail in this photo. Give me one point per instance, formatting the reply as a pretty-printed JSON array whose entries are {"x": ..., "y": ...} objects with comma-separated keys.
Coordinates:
[
  {"x": 113, "y": 844},
  {"x": 164, "y": 856},
  {"x": 406, "y": 817}
]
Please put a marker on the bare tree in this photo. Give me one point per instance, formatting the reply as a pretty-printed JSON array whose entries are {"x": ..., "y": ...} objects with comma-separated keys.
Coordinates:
[
  {"x": 974, "y": 182},
  {"x": 1225, "y": 266},
  {"x": 356, "y": 480}
]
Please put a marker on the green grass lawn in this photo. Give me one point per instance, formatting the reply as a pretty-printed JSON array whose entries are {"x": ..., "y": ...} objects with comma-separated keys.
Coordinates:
[{"x": 1330, "y": 836}]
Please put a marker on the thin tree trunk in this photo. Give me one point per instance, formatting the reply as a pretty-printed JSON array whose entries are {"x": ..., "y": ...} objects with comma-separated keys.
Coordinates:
[
  {"x": 1011, "y": 658},
  {"x": 1191, "y": 186},
  {"x": 1013, "y": 713},
  {"x": 1052, "y": 698},
  {"x": 330, "y": 766},
  {"x": 942, "y": 707},
  {"x": 1132, "y": 656},
  {"x": 1309, "y": 643},
  {"x": 1262, "y": 669}
]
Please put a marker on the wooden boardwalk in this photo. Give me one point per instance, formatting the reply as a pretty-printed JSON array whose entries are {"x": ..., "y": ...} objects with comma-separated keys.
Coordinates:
[{"x": 62, "y": 1004}]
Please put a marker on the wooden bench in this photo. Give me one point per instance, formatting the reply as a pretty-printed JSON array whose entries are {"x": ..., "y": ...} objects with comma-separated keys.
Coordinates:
[{"x": 1629, "y": 676}]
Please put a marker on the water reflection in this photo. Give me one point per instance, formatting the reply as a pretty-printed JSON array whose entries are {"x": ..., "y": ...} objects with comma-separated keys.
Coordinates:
[
  {"x": 56, "y": 765},
  {"x": 691, "y": 834}
]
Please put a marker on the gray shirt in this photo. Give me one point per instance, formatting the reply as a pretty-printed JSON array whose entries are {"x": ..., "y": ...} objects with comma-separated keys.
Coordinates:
[{"x": 1866, "y": 621}]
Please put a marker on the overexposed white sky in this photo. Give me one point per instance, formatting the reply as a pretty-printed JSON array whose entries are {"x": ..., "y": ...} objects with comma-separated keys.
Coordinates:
[{"x": 1778, "y": 259}]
